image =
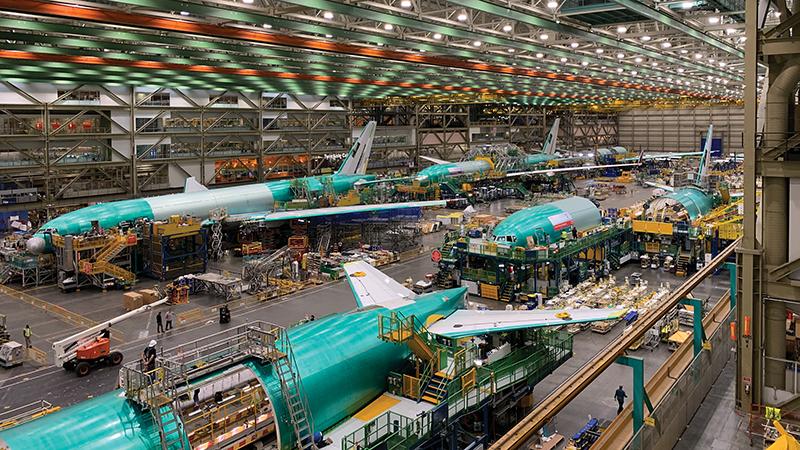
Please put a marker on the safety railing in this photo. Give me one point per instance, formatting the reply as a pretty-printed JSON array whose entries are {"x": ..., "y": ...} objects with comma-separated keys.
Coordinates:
[
  {"x": 212, "y": 424},
  {"x": 684, "y": 397},
  {"x": 791, "y": 372},
  {"x": 376, "y": 432},
  {"x": 26, "y": 413},
  {"x": 182, "y": 363}
]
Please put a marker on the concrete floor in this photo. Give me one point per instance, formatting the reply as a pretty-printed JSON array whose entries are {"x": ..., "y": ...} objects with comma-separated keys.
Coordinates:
[{"x": 33, "y": 382}]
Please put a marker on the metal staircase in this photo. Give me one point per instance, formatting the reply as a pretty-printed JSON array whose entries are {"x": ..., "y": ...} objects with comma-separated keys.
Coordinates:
[
  {"x": 5, "y": 274},
  {"x": 682, "y": 265},
  {"x": 507, "y": 292},
  {"x": 436, "y": 389},
  {"x": 169, "y": 422},
  {"x": 102, "y": 260},
  {"x": 295, "y": 403}
]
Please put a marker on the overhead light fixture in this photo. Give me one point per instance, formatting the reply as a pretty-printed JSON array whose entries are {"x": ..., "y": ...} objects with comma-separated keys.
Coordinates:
[
  {"x": 462, "y": 16},
  {"x": 598, "y": 51},
  {"x": 476, "y": 43},
  {"x": 620, "y": 55},
  {"x": 563, "y": 60},
  {"x": 654, "y": 64},
  {"x": 405, "y": 4},
  {"x": 574, "y": 45},
  {"x": 388, "y": 27},
  {"x": 620, "y": 70},
  {"x": 511, "y": 50},
  {"x": 638, "y": 59},
  {"x": 687, "y": 5},
  {"x": 698, "y": 56},
  {"x": 666, "y": 44},
  {"x": 552, "y": 4},
  {"x": 712, "y": 60},
  {"x": 646, "y": 38},
  {"x": 540, "y": 55},
  {"x": 722, "y": 64},
  {"x": 437, "y": 36},
  {"x": 681, "y": 70},
  {"x": 584, "y": 63},
  {"x": 249, "y": 2},
  {"x": 544, "y": 36},
  {"x": 508, "y": 27},
  {"x": 730, "y": 31},
  {"x": 634, "y": 73},
  {"x": 184, "y": 13},
  {"x": 622, "y": 29},
  {"x": 713, "y": 20},
  {"x": 328, "y": 36},
  {"x": 328, "y": 15},
  {"x": 267, "y": 26},
  {"x": 380, "y": 44}
]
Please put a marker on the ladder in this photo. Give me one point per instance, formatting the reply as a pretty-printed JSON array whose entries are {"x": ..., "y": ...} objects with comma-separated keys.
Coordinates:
[
  {"x": 5, "y": 274},
  {"x": 169, "y": 423},
  {"x": 112, "y": 249},
  {"x": 291, "y": 389},
  {"x": 507, "y": 293}
]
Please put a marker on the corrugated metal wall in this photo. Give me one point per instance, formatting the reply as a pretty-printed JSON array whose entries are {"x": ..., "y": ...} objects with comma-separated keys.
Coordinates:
[{"x": 680, "y": 129}]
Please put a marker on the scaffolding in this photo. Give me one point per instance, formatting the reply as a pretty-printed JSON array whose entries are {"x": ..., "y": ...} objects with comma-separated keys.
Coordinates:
[
  {"x": 174, "y": 248},
  {"x": 101, "y": 259},
  {"x": 192, "y": 370}
]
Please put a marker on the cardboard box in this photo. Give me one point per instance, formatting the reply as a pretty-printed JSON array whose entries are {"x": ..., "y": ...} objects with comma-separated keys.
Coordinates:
[
  {"x": 148, "y": 296},
  {"x": 132, "y": 300}
]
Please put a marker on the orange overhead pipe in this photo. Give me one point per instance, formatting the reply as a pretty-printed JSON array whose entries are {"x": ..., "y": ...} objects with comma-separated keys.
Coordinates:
[
  {"x": 101, "y": 15},
  {"x": 156, "y": 65}
]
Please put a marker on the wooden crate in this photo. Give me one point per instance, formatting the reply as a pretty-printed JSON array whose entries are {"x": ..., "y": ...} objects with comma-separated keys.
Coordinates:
[
  {"x": 148, "y": 296},
  {"x": 132, "y": 300}
]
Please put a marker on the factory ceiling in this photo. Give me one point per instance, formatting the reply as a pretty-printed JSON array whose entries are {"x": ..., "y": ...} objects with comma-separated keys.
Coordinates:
[{"x": 535, "y": 52}]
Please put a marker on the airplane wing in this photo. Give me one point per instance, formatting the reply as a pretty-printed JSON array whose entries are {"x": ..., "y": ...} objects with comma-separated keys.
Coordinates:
[
  {"x": 381, "y": 180},
  {"x": 434, "y": 160},
  {"x": 567, "y": 169},
  {"x": 676, "y": 155},
  {"x": 466, "y": 323},
  {"x": 371, "y": 287},
  {"x": 331, "y": 211},
  {"x": 660, "y": 186}
]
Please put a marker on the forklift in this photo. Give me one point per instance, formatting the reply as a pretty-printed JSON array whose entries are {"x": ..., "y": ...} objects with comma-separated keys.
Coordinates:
[
  {"x": 91, "y": 348},
  {"x": 11, "y": 352}
]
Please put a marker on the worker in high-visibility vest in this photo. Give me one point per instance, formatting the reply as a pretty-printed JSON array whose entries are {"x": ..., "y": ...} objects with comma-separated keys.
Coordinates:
[{"x": 27, "y": 333}]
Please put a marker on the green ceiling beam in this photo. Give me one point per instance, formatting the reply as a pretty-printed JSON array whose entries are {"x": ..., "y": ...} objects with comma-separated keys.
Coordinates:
[
  {"x": 519, "y": 16},
  {"x": 666, "y": 19},
  {"x": 338, "y": 60},
  {"x": 255, "y": 18}
]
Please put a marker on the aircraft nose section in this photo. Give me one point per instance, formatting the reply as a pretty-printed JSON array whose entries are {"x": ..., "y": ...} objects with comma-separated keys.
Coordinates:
[{"x": 35, "y": 245}]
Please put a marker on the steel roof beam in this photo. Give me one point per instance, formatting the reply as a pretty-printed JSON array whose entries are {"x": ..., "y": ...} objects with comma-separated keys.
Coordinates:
[
  {"x": 672, "y": 22},
  {"x": 526, "y": 17},
  {"x": 123, "y": 18}
]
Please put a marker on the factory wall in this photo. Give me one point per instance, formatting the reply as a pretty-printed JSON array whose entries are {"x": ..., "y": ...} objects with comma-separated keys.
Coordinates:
[{"x": 680, "y": 129}]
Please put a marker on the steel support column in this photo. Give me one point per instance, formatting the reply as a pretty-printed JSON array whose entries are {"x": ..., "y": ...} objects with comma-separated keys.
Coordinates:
[{"x": 640, "y": 398}]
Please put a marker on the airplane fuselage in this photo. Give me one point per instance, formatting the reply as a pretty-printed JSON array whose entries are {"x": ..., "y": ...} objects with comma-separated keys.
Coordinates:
[
  {"x": 250, "y": 198},
  {"x": 439, "y": 172}
]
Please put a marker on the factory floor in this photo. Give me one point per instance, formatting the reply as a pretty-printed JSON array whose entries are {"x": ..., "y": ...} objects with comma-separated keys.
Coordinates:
[{"x": 35, "y": 381}]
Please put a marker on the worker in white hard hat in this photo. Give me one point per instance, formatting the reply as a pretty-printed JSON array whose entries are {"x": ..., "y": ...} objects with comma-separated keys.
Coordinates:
[{"x": 149, "y": 357}]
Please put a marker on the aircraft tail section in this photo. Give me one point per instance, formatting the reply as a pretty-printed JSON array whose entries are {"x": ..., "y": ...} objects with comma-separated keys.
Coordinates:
[
  {"x": 358, "y": 156},
  {"x": 549, "y": 145},
  {"x": 701, "y": 169}
]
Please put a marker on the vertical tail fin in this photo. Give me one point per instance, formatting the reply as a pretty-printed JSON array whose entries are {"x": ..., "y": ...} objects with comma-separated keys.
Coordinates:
[
  {"x": 358, "y": 157},
  {"x": 640, "y": 161},
  {"x": 701, "y": 169},
  {"x": 549, "y": 145}
]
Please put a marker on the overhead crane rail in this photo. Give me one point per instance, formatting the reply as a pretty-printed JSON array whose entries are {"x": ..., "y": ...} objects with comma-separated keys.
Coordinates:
[{"x": 575, "y": 384}]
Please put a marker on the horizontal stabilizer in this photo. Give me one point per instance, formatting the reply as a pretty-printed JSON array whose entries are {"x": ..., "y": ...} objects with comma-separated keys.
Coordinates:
[{"x": 434, "y": 160}]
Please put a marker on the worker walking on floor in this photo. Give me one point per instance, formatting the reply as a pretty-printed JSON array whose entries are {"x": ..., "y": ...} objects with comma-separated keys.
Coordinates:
[
  {"x": 168, "y": 318},
  {"x": 27, "y": 333},
  {"x": 159, "y": 323},
  {"x": 620, "y": 396}
]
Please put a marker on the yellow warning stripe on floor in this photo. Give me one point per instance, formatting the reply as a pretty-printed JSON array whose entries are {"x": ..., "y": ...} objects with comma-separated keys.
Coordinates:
[
  {"x": 376, "y": 408},
  {"x": 66, "y": 315}
]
